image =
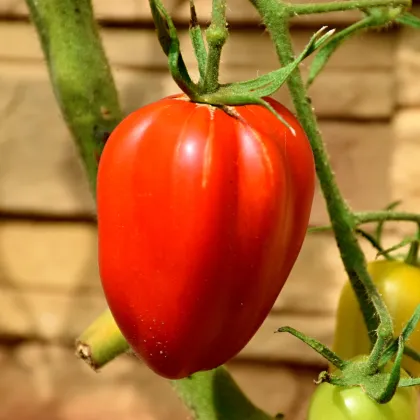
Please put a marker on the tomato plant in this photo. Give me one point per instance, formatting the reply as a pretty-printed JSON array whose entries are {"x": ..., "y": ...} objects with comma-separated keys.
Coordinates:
[
  {"x": 201, "y": 216},
  {"x": 351, "y": 403},
  {"x": 399, "y": 285}
]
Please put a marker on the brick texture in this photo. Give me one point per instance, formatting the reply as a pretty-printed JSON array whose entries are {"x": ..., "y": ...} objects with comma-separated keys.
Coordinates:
[{"x": 138, "y": 10}]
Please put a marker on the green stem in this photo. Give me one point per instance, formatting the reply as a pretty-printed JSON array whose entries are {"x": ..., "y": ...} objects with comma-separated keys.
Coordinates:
[
  {"x": 101, "y": 342},
  {"x": 339, "y": 6},
  {"x": 275, "y": 17},
  {"x": 218, "y": 387},
  {"x": 198, "y": 42},
  {"x": 377, "y": 352},
  {"x": 216, "y": 35},
  {"x": 361, "y": 218},
  {"x": 79, "y": 70},
  {"x": 384, "y": 216},
  {"x": 372, "y": 240}
]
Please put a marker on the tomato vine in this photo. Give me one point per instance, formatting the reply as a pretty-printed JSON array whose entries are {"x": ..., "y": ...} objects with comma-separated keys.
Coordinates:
[{"x": 90, "y": 106}]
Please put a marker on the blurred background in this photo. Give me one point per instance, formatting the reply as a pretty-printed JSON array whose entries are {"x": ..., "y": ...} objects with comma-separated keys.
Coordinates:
[{"x": 368, "y": 104}]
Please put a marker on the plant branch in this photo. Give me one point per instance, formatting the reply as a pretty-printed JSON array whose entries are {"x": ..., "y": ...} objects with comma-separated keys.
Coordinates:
[
  {"x": 214, "y": 395},
  {"x": 361, "y": 218},
  {"x": 81, "y": 76},
  {"x": 275, "y": 16},
  {"x": 385, "y": 216},
  {"x": 198, "y": 42},
  {"x": 101, "y": 342},
  {"x": 216, "y": 35},
  {"x": 339, "y": 6}
]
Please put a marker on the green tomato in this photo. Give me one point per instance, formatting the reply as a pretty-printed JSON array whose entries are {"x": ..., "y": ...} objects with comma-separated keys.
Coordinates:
[{"x": 330, "y": 402}]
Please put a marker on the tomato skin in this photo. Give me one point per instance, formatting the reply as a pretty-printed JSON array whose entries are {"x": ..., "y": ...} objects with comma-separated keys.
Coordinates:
[
  {"x": 201, "y": 217},
  {"x": 399, "y": 285},
  {"x": 331, "y": 402}
]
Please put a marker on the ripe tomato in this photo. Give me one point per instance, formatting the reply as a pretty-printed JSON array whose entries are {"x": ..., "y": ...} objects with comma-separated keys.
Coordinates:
[
  {"x": 331, "y": 402},
  {"x": 201, "y": 216},
  {"x": 399, "y": 285}
]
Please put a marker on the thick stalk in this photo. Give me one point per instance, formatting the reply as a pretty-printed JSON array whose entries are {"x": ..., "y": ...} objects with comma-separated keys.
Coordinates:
[
  {"x": 216, "y": 36},
  {"x": 80, "y": 73},
  {"x": 217, "y": 387},
  {"x": 339, "y": 6},
  {"x": 275, "y": 16}
]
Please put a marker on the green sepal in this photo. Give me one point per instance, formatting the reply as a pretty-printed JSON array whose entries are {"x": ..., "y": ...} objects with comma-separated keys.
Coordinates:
[
  {"x": 394, "y": 377},
  {"x": 406, "y": 382},
  {"x": 325, "y": 53},
  {"x": 405, "y": 335},
  {"x": 408, "y": 19},
  {"x": 269, "y": 83},
  {"x": 169, "y": 41},
  {"x": 320, "y": 348}
]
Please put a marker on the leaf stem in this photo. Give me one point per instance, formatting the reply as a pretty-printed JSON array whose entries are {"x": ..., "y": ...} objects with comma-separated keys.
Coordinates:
[
  {"x": 339, "y": 6},
  {"x": 384, "y": 215},
  {"x": 216, "y": 35},
  {"x": 275, "y": 16}
]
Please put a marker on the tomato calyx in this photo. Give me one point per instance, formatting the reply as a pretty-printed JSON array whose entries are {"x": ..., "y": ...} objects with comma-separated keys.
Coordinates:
[
  {"x": 208, "y": 90},
  {"x": 378, "y": 377}
]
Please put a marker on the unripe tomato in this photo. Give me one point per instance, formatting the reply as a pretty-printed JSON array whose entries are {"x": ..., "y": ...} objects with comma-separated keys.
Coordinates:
[
  {"x": 201, "y": 216},
  {"x": 330, "y": 402},
  {"x": 399, "y": 285}
]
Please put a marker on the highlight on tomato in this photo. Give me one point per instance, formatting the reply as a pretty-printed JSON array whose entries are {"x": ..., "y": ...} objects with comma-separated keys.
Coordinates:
[
  {"x": 399, "y": 285},
  {"x": 201, "y": 216}
]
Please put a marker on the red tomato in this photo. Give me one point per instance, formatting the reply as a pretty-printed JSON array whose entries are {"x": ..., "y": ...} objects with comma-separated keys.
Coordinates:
[{"x": 201, "y": 216}]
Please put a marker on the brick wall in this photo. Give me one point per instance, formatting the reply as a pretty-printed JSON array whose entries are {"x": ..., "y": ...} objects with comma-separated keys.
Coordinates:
[{"x": 368, "y": 103}]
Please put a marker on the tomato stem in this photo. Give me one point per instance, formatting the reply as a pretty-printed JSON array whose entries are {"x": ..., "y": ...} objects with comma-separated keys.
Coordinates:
[
  {"x": 197, "y": 41},
  {"x": 275, "y": 16},
  {"x": 339, "y": 6},
  {"x": 219, "y": 388},
  {"x": 70, "y": 40},
  {"x": 373, "y": 241},
  {"x": 101, "y": 342},
  {"x": 384, "y": 216},
  {"x": 216, "y": 35},
  {"x": 412, "y": 257}
]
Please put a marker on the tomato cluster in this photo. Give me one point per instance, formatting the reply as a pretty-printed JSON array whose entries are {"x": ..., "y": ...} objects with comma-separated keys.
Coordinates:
[{"x": 201, "y": 215}]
